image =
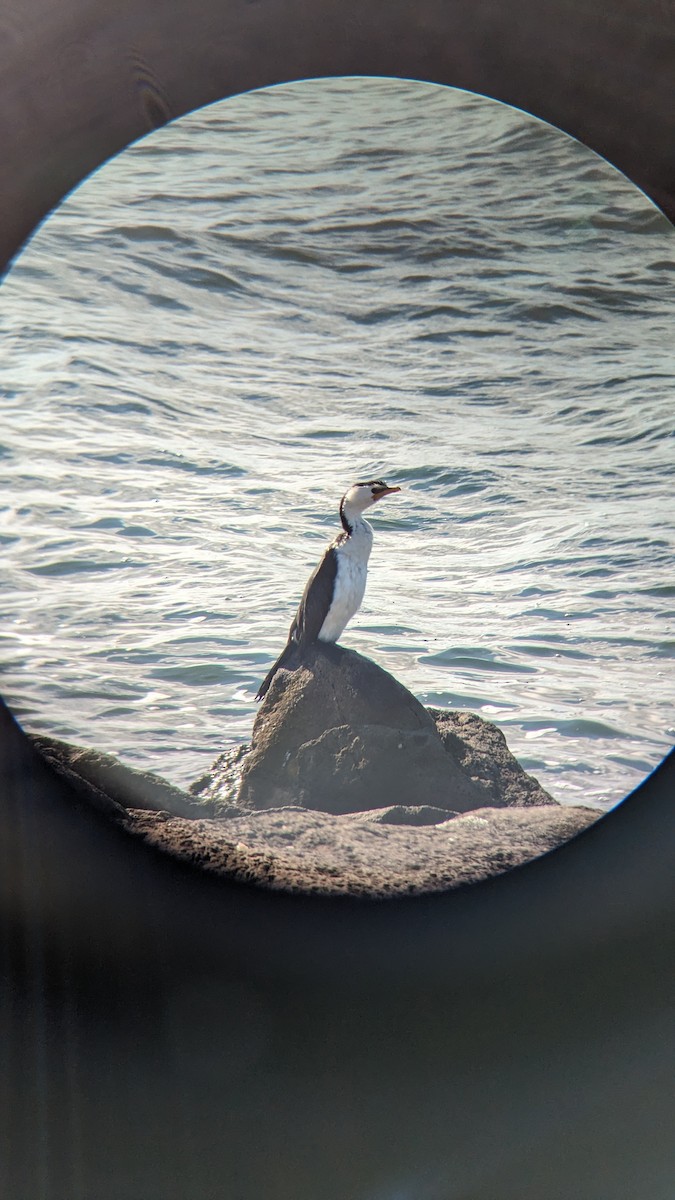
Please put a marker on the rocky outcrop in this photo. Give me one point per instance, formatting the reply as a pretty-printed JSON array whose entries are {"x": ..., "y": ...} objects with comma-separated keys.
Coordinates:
[
  {"x": 341, "y": 735},
  {"x": 298, "y": 850},
  {"x": 479, "y": 750},
  {"x": 111, "y": 786},
  {"x": 350, "y": 786}
]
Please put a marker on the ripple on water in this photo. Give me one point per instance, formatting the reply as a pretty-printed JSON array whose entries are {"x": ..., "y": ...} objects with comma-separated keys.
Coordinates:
[
  {"x": 474, "y": 659},
  {"x": 557, "y": 650},
  {"x": 179, "y": 463},
  {"x": 574, "y": 728},
  {"x": 454, "y": 482},
  {"x": 196, "y": 675},
  {"x": 83, "y": 566},
  {"x": 149, "y": 233}
]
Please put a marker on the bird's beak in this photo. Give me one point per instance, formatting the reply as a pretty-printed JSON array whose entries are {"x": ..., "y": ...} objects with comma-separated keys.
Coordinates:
[{"x": 386, "y": 492}]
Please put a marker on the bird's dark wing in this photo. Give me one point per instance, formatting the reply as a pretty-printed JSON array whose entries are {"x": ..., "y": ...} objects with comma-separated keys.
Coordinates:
[
  {"x": 309, "y": 618},
  {"x": 316, "y": 600}
]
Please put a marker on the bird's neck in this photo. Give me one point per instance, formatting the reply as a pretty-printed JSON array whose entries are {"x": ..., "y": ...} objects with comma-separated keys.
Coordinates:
[{"x": 353, "y": 522}]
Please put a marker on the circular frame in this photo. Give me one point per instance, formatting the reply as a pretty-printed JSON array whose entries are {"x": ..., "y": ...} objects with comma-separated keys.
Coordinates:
[{"x": 507, "y": 1041}]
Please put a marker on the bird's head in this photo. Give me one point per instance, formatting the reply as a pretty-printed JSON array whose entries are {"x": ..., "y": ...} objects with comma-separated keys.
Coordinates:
[{"x": 362, "y": 495}]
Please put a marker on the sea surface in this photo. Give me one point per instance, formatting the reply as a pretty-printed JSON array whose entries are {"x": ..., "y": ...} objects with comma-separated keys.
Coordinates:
[{"x": 297, "y": 288}]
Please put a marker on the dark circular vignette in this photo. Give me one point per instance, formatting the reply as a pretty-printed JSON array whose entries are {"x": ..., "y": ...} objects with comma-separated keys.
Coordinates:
[
  {"x": 169, "y": 1037},
  {"x": 83, "y": 81}
]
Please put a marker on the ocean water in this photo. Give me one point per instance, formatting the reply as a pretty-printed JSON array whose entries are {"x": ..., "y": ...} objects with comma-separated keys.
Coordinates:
[{"x": 255, "y": 306}]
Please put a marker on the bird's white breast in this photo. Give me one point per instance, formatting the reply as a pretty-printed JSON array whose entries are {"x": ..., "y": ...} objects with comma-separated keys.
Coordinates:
[{"x": 350, "y": 581}]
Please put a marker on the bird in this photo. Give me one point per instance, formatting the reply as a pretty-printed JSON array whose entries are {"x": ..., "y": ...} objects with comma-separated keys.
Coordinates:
[{"x": 335, "y": 588}]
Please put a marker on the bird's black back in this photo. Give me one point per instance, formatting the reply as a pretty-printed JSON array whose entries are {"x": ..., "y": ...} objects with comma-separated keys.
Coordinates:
[{"x": 316, "y": 600}]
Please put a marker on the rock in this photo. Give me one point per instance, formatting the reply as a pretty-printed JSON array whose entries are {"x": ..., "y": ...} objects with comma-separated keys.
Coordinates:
[
  {"x": 339, "y": 734},
  {"x": 479, "y": 749},
  {"x": 350, "y": 787},
  {"x": 299, "y": 850},
  {"x": 108, "y": 784},
  {"x": 405, "y": 814},
  {"x": 346, "y": 771}
]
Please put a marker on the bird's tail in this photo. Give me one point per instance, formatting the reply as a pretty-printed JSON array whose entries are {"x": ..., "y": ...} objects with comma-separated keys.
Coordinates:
[{"x": 286, "y": 655}]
